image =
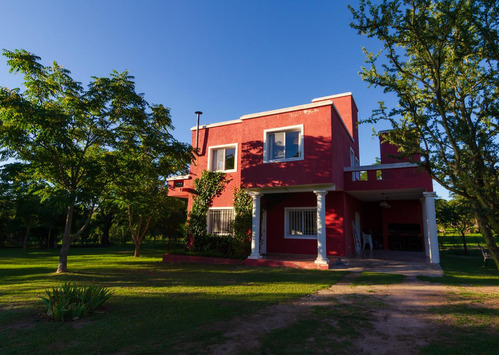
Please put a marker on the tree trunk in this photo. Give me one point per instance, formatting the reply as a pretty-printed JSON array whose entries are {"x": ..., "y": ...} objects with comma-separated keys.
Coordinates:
[
  {"x": 488, "y": 237},
  {"x": 108, "y": 222},
  {"x": 25, "y": 241},
  {"x": 66, "y": 240},
  {"x": 49, "y": 238},
  {"x": 136, "y": 250},
  {"x": 466, "y": 251}
]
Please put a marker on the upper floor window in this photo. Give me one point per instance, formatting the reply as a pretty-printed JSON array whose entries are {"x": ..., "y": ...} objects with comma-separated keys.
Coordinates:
[
  {"x": 284, "y": 144},
  {"x": 223, "y": 158}
]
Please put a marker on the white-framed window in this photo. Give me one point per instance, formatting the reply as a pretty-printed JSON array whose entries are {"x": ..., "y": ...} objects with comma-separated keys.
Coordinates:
[
  {"x": 300, "y": 223},
  {"x": 284, "y": 144},
  {"x": 223, "y": 158},
  {"x": 220, "y": 220}
]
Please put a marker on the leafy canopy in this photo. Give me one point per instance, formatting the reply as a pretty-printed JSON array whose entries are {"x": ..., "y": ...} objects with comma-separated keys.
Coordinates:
[{"x": 440, "y": 59}]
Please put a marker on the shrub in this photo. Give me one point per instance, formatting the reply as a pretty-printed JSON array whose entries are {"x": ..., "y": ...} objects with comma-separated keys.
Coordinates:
[
  {"x": 70, "y": 302},
  {"x": 242, "y": 225}
]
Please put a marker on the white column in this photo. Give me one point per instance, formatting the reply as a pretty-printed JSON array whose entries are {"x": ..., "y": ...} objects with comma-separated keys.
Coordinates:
[
  {"x": 255, "y": 254},
  {"x": 321, "y": 227},
  {"x": 430, "y": 214},
  {"x": 426, "y": 228}
]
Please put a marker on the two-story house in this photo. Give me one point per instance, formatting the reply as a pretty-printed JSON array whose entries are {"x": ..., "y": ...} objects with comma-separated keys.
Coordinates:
[{"x": 310, "y": 196}]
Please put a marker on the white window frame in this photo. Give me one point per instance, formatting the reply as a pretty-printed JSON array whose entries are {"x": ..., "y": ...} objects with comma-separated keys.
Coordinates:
[
  {"x": 224, "y": 146},
  {"x": 209, "y": 226},
  {"x": 354, "y": 163},
  {"x": 287, "y": 220},
  {"x": 296, "y": 128}
]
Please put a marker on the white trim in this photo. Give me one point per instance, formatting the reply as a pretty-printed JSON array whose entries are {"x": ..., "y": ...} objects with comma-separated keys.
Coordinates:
[
  {"x": 294, "y": 128},
  {"x": 335, "y": 96},
  {"x": 223, "y": 146},
  {"x": 223, "y": 123},
  {"x": 287, "y": 109},
  {"x": 308, "y": 236},
  {"x": 381, "y": 167},
  {"x": 323, "y": 98},
  {"x": 293, "y": 188},
  {"x": 179, "y": 177}
]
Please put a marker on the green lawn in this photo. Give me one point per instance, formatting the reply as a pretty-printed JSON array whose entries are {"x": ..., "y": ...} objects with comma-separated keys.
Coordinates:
[
  {"x": 156, "y": 307},
  {"x": 162, "y": 308}
]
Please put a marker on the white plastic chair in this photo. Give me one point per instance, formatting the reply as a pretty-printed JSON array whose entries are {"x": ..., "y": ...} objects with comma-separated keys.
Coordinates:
[{"x": 367, "y": 239}]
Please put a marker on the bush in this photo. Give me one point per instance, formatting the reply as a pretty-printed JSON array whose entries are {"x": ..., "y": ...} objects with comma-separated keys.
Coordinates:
[
  {"x": 222, "y": 244},
  {"x": 70, "y": 302}
]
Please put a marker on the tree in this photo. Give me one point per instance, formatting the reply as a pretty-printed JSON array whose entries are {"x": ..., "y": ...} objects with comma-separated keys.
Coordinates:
[
  {"x": 456, "y": 214},
  {"x": 73, "y": 138},
  {"x": 440, "y": 59}
]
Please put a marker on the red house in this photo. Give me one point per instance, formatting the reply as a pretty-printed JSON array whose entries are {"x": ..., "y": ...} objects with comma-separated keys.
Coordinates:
[{"x": 310, "y": 196}]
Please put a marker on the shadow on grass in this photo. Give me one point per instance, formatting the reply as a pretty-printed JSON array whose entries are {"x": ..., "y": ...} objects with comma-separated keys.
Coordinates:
[
  {"x": 467, "y": 330},
  {"x": 375, "y": 278},
  {"x": 464, "y": 270}
]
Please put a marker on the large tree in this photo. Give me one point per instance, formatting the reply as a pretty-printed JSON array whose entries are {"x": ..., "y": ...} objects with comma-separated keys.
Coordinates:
[
  {"x": 440, "y": 59},
  {"x": 71, "y": 137}
]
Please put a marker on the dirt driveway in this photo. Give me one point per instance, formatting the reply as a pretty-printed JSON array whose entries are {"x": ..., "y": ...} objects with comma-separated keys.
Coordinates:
[{"x": 400, "y": 318}]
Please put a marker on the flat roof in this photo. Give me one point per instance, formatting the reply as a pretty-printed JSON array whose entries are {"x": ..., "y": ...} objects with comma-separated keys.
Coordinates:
[{"x": 318, "y": 102}]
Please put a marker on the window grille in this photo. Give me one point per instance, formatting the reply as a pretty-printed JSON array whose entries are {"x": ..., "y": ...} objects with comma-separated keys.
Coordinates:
[
  {"x": 301, "y": 222},
  {"x": 220, "y": 221}
]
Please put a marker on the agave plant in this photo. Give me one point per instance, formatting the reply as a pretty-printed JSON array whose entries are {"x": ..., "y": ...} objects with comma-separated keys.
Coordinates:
[{"x": 70, "y": 302}]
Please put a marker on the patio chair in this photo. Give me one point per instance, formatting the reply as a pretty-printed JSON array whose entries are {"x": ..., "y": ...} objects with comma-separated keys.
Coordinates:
[
  {"x": 367, "y": 239},
  {"x": 486, "y": 255}
]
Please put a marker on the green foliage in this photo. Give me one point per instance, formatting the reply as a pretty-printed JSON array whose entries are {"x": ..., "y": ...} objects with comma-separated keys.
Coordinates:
[
  {"x": 208, "y": 186},
  {"x": 456, "y": 214},
  {"x": 221, "y": 245},
  {"x": 70, "y": 302},
  {"x": 440, "y": 59},
  {"x": 242, "y": 225},
  {"x": 104, "y": 141}
]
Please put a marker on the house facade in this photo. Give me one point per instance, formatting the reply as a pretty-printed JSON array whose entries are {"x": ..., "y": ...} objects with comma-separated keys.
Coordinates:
[{"x": 300, "y": 164}]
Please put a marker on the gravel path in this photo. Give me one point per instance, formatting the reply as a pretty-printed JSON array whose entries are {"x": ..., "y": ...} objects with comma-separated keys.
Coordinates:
[{"x": 398, "y": 325}]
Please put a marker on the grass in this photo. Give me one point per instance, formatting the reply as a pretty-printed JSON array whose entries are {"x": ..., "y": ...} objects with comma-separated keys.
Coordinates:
[
  {"x": 156, "y": 307},
  {"x": 330, "y": 329},
  {"x": 465, "y": 270},
  {"x": 170, "y": 308}
]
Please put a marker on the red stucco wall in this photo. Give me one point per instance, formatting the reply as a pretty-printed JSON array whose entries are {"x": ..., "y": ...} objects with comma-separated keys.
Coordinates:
[{"x": 315, "y": 168}]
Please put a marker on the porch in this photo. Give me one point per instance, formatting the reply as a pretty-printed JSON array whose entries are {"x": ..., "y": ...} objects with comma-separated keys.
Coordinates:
[{"x": 405, "y": 263}]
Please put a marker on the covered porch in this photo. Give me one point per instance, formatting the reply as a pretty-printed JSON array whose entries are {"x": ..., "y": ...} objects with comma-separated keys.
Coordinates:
[
  {"x": 405, "y": 263},
  {"x": 396, "y": 219}
]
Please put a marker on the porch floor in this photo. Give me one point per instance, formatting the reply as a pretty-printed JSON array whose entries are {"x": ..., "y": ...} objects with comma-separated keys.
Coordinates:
[{"x": 385, "y": 261}]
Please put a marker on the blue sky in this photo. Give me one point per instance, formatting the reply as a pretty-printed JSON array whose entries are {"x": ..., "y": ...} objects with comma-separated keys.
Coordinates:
[{"x": 226, "y": 58}]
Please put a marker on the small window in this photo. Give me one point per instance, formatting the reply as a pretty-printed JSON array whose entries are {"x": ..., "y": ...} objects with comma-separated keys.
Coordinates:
[
  {"x": 283, "y": 144},
  {"x": 300, "y": 223},
  {"x": 220, "y": 221},
  {"x": 179, "y": 183},
  {"x": 222, "y": 158}
]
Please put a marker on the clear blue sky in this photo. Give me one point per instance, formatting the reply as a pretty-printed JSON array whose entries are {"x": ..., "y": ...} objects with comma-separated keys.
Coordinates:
[{"x": 226, "y": 58}]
